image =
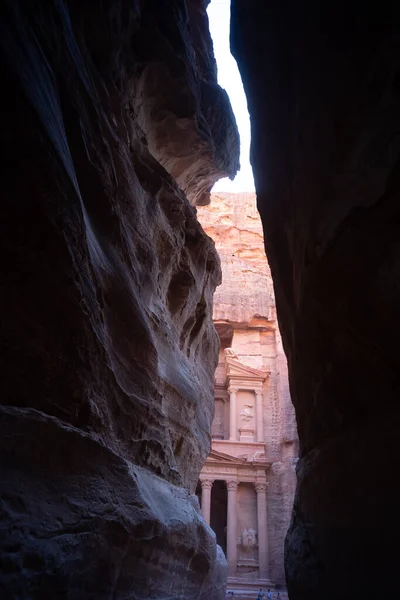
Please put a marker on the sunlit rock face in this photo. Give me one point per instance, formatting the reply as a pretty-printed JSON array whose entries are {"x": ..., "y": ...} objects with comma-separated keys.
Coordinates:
[
  {"x": 246, "y": 293},
  {"x": 322, "y": 86},
  {"x": 109, "y": 346}
]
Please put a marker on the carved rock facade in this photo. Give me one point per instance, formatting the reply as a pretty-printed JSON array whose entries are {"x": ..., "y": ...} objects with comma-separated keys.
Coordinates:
[
  {"x": 248, "y": 481},
  {"x": 109, "y": 345}
]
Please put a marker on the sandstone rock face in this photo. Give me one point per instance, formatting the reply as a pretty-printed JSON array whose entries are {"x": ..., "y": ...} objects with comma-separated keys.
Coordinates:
[
  {"x": 246, "y": 293},
  {"x": 245, "y": 316},
  {"x": 323, "y": 94},
  {"x": 187, "y": 118},
  {"x": 108, "y": 343}
]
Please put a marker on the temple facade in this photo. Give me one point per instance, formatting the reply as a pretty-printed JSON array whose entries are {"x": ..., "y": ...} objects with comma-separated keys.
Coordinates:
[{"x": 247, "y": 484}]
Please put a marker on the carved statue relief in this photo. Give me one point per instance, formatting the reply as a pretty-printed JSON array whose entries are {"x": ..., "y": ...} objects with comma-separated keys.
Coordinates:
[
  {"x": 230, "y": 352},
  {"x": 258, "y": 455},
  {"x": 247, "y": 413},
  {"x": 218, "y": 419},
  {"x": 249, "y": 539}
]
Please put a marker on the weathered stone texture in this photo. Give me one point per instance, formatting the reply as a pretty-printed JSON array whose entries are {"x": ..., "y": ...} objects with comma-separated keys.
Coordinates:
[
  {"x": 322, "y": 83},
  {"x": 108, "y": 343},
  {"x": 246, "y": 292},
  {"x": 187, "y": 118}
]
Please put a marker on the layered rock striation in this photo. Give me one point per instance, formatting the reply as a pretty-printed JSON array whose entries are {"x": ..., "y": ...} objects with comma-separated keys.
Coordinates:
[
  {"x": 322, "y": 85},
  {"x": 108, "y": 344}
]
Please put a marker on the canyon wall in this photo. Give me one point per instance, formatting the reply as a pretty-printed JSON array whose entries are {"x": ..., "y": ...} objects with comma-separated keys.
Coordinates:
[
  {"x": 322, "y": 83},
  {"x": 245, "y": 316},
  {"x": 111, "y": 117},
  {"x": 246, "y": 292}
]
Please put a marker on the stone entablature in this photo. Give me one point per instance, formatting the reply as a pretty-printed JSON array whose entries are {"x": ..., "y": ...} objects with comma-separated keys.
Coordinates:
[
  {"x": 247, "y": 451},
  {"x": 223, "y": 467}
]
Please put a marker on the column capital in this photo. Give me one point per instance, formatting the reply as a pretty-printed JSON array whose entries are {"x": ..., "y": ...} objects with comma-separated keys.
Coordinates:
[
  {"x": 258, "y": 392},
  {"x": 233, "y": 389},
  {"x": 261, "y": 487},
  {"x": 232, "y": 485},
  {"x": 206, "y": 483}
]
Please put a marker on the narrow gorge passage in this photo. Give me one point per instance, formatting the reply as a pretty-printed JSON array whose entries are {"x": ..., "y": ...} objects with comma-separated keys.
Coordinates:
[
  {"x": 114, "y": 130},
  {"x": 247, "y": 485}
]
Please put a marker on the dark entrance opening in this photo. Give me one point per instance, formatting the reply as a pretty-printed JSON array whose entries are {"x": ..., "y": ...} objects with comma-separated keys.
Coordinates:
[{"x": 219, "y": 505}]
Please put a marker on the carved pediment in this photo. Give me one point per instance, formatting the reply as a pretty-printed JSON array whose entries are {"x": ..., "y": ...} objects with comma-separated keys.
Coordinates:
[
  {"x": 236, "y": 369},
  {"x": 219, "y": 457}
]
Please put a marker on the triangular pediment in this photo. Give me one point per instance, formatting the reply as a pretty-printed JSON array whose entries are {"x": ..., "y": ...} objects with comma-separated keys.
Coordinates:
[
  {"x": 220, "y": 457},
  {"x": 234, "y": 368}
]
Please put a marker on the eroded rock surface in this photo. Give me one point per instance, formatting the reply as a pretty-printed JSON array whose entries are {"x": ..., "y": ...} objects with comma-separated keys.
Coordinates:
[
  {"x": 246, "y": 292},
  {"x": 108, "y": 341},
  {"x": 322, "y": 83}
]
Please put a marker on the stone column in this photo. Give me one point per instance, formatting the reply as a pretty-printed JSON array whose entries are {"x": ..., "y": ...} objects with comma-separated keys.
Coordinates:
[
  {"x": 232, "y": 414},
  {"x": 262, "y": 525},
  {"x": 231, "y": 541},
  {"x": 206, "y": 487},
  {"x": 226, "y": 421},
  {"x": 259, "y": 416}
]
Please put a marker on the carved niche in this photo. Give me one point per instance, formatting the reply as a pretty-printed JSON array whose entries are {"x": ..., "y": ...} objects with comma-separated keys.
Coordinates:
[{"x": 246, "y": 426}]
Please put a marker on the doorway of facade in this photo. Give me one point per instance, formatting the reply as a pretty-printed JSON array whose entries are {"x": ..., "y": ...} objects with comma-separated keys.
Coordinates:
[{"x": 219, "y": 506}]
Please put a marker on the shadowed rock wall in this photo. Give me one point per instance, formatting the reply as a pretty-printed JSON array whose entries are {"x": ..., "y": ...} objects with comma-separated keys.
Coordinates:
[
  {"x": 108, "y": 344},
  {"x": 322, "y": 83}
]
